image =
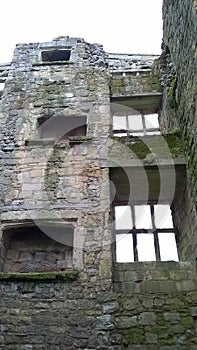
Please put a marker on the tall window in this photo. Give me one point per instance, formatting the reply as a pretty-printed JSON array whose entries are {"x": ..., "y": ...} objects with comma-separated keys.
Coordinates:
[
  {"x": 144, "y": 233},
  {"x": 136, "y": 125}
]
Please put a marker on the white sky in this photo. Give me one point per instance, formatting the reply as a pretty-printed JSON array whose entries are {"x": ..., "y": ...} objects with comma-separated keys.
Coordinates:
[{"x": 127, "y": 26}]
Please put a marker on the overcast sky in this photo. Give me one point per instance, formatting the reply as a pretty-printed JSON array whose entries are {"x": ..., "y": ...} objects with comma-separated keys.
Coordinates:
[{"x": 128, "y": 26}]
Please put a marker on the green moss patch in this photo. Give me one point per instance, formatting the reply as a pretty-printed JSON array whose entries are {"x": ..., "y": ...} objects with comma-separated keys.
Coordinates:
[
  {"x": 174, "y": 143},
  {"x": 67, "y": 276},
  {"x": 172, "y": 93},
  {"x": 135, "y": 145},
  {"x": 133, "y": 335},
  {"x": 154, "y": 144}
]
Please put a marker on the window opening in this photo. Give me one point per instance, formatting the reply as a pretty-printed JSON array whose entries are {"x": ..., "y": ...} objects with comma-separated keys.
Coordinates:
[
  {"x": 136, "y": 125},
  {"x": 56, "y": 55},
  {"x": 144, "y": 233},
  {"x": 2, "y": 84},
  {"x": 60, "y": 128},
  {"x": 29, "y": 248}
]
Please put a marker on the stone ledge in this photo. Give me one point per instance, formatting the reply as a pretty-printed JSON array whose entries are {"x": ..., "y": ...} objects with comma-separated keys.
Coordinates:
[
  {"x": 48, "y": 142},
  {"x": 51, "y": 63},
  {"x": 4, "y": 66},
  {"x": 162, "y": 265},
  {"x": 73, "y": 140},
  {"x": 138, "y": 164},
  {"x": 43, "y": 142},
  {"x": 130, "y": 71},
  {"x": 149, "y": 148},
  {"x": 66, "y": 276}
]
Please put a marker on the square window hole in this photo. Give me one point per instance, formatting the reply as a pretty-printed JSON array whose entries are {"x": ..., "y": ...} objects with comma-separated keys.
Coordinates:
[{"x": 56, "y": 55}]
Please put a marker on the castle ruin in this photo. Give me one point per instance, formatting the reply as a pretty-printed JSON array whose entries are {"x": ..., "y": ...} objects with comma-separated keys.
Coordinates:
[{"x": 98, "y": 229}]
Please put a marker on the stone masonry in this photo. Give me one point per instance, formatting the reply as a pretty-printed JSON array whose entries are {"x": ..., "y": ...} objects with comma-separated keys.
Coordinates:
[{"x": 64, "y": 170}]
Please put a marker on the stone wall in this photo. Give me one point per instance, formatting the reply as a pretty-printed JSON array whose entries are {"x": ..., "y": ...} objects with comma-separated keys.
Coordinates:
[
  {"x": 65, "y": 181},
  {"x": 156, "y": 305},
  {"x": 48, "y": 315},
  {"x": 133, "y": 74},
  {"x": 4, "y": 68},
  {"x": 153, "y": 307},
  {"x": 47, "y": 180},
  {"x": 184, "y": 213},
  {"x": 178, "y": 61}
]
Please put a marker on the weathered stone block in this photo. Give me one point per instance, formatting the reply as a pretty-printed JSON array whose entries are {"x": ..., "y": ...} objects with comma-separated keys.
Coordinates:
[
  {"x": 193, "y": 311},
  {"x": 131, "y": 303},
  {"x": 110, "y": 307},
  {"x": 25, "y": 256},
  {"x": 105, "y": 269},
  {"x": 147, "y": 318},
  {"x": 124, "y": 322},
  {"x": 172, "y": 317},
  {"x": 12, "y": 254},
  {"x": 185, "y": 286},
  {"x": 151, "y": 338},
  {"x": 104, "y": 322}
]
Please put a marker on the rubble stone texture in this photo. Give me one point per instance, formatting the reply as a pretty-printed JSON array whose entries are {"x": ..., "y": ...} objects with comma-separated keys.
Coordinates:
[{"x": 62, "y": 172}]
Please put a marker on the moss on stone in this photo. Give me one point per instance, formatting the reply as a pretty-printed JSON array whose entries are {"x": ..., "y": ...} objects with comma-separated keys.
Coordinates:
[
  {"x": 133, "y": 336},
  {"x": 172, "y": 92},
  {"x": 135, "y": 145},
  {"x": 141, "y": 150},
  {"x": 174, "y": 143},
  {"x": 27, "y": 276},
  {"x": 51, "y": 176},
  {"x": 176, "y": 131},
  {"x": 172, "y": 88},
  {"x": 118, "y": 82},
  {"x": 153, "y": 78},
  {"x": 151, "y": 82},
  {"x": 187, "y": 322}
]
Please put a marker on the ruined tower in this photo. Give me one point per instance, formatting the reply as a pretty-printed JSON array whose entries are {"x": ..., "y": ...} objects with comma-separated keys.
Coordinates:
[{"x": 98, "y": 218}]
